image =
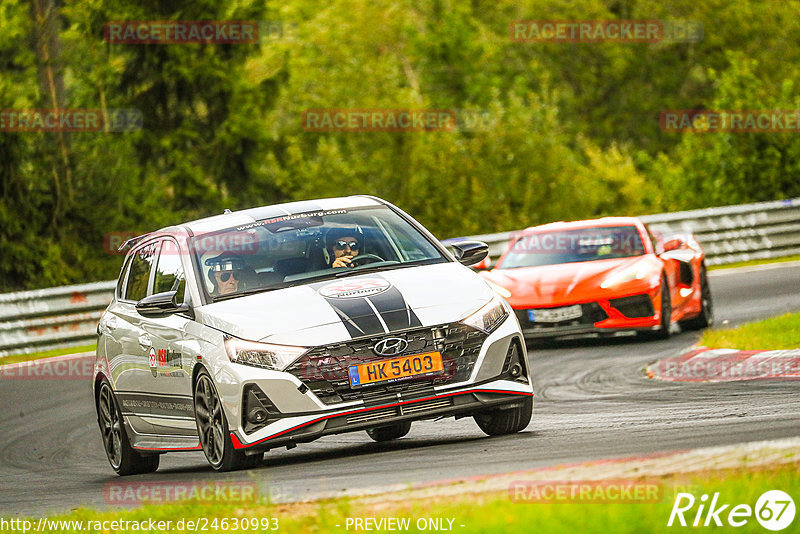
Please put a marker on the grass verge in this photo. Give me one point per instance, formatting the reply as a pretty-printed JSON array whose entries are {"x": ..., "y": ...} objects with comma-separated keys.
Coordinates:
[
  {"x": 481, "y": 513},
  {"x": 777, "y": 333},
  {"x": 16, "y": 358}
]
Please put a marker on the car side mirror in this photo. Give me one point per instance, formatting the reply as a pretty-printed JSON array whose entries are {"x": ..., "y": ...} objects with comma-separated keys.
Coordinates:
[
  {"x": 672, "y": 244},
  {"x": 470, "y": 252},
  {"x": 161, "y": 305}
]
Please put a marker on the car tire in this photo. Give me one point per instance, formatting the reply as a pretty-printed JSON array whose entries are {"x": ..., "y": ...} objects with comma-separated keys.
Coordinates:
[
  {"x": 665, "y": 325},
  {"x": 508, "y": 421},
  {"x": 124, "y": 459},
  {"x": 389, "y": 432},
  {"x": 212, "y": 427},
  {"x": 705, "y": 318}
]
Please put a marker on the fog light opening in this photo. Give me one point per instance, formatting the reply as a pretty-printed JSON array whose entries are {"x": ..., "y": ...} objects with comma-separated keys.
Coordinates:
[
  {"x": 514, "y": 366},
  {"x": 257, "y": 415},
  {"x": 257, "y": 409},
  {"x": 516, "y": 370}
]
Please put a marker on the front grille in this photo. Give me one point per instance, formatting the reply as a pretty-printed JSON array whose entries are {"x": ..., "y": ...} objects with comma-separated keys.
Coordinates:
[
  {"x": 372, "y": 415},
  {"x": 324, "y": 369},
  {"x": 426, "y": 405},
  {"x": 592, "y": 313},
  {"x": 635, "y": 306},
  {"x": 404, "y": 409}
]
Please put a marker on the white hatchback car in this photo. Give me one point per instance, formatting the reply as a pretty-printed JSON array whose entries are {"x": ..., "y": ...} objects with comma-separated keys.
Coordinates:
[{"x": 277, "y": 325}]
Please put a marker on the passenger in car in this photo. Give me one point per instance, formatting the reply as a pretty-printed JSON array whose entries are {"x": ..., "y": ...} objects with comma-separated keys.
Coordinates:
[{"x": 225, "y": 273}]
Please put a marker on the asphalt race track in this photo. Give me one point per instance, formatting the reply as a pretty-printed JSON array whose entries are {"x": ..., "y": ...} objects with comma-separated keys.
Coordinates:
[{"x": 592, "y": 401}]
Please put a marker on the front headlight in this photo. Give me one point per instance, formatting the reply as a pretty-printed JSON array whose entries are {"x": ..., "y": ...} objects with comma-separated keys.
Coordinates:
[
  {"x": 634, "y": 272},
  {"x": 266, "y": 355},
  {"x": 488, "y": 317}
]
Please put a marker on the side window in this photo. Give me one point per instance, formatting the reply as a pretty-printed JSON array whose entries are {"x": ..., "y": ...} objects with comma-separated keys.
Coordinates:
[
  {"x": 140, "y": 273},
  {"x": 169, "y": 273},
  {"x": 121, "y": 282},
  {"x": 652, "y": 238}
]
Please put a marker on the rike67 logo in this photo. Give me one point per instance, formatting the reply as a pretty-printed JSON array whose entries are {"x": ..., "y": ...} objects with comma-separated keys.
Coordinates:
[{"x": 774, "y": 510}]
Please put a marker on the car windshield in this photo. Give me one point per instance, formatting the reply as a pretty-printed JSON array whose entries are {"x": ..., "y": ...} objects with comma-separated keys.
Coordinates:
[
  {"x": 301, "y": 248},
  {"x": 570, "y": 246}
]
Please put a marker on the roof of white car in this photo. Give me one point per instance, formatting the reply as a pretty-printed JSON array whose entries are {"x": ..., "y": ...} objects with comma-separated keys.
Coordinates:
[{"x": 249, "y": 216}]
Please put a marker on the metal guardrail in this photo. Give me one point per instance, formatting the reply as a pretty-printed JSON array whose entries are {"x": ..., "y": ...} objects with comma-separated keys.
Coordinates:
[
  {"x": 58, "y": 317},
  {"x": 738, "y": 233},
  {"x": 61, "y": 317},
  {"x": 727, "y": 234}
]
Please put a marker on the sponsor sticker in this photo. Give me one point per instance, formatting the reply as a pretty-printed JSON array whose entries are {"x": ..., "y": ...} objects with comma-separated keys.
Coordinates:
[{"x": 349, "y": 289}]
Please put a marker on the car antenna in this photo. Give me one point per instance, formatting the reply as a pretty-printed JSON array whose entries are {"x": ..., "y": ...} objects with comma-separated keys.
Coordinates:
[{"x": 227, "y": 211}]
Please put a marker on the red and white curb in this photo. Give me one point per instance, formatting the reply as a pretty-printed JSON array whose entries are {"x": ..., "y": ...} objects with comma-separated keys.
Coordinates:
[{"x": 702, "y": 364}]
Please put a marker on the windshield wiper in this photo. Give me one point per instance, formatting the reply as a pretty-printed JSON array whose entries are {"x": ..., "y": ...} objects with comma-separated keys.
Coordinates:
[
  {"x": 282, "y": 285},
  {"x": 382, "y": 267},
  {"x": 255, "y": 290}
]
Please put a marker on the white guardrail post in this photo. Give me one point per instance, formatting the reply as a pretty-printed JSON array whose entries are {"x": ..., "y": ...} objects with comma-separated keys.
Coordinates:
[{"x": 61, "y": 317}]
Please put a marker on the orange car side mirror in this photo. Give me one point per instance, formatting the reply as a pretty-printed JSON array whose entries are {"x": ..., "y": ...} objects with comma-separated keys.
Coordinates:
[
  {"x": 673, "y": 244},
  {"x": 483, "y": 265}
]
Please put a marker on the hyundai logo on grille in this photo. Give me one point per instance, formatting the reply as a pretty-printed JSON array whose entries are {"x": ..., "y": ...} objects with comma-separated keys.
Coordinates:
[{"x": 391, "y": 346}]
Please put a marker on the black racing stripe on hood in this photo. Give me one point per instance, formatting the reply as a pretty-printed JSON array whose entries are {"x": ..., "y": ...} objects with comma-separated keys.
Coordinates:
[
  {"x": 348, "y": 323},
  {"x": 358, "y": 316},
  {"x": 394, "y": 310}
]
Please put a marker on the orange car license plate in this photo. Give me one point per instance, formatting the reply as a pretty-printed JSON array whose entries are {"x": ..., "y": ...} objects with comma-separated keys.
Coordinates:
[{"x": 418, "y": 365}]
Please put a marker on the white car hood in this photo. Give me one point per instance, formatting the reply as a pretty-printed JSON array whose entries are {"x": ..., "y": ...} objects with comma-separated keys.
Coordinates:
[{"x": 339, "y": 310}]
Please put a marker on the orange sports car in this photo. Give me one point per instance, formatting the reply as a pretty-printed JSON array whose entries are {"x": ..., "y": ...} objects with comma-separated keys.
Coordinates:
[{"x": 603, "y": 276}]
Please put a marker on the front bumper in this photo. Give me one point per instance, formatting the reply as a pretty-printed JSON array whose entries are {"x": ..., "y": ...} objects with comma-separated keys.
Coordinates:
[
  {"x": 311, "y": 427},
  {"x": 604, "y": 316},
  {"x": 302, "y": 407}
]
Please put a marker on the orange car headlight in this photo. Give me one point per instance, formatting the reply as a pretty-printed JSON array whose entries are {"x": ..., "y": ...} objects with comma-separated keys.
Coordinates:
[{"x": 634, "y": 272}]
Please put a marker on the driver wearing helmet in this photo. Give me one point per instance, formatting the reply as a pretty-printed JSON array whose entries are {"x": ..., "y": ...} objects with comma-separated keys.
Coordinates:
[
  {"x": 345, "y": 244},
  {"x": 225, "y": 273}
]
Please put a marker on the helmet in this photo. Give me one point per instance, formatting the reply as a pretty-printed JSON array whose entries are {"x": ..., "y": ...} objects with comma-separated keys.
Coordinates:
[{"x": 225, "y": 262}]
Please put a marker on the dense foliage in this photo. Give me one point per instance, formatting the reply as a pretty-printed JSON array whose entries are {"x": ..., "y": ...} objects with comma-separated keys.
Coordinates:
[{"x": 573, "y": 129}]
